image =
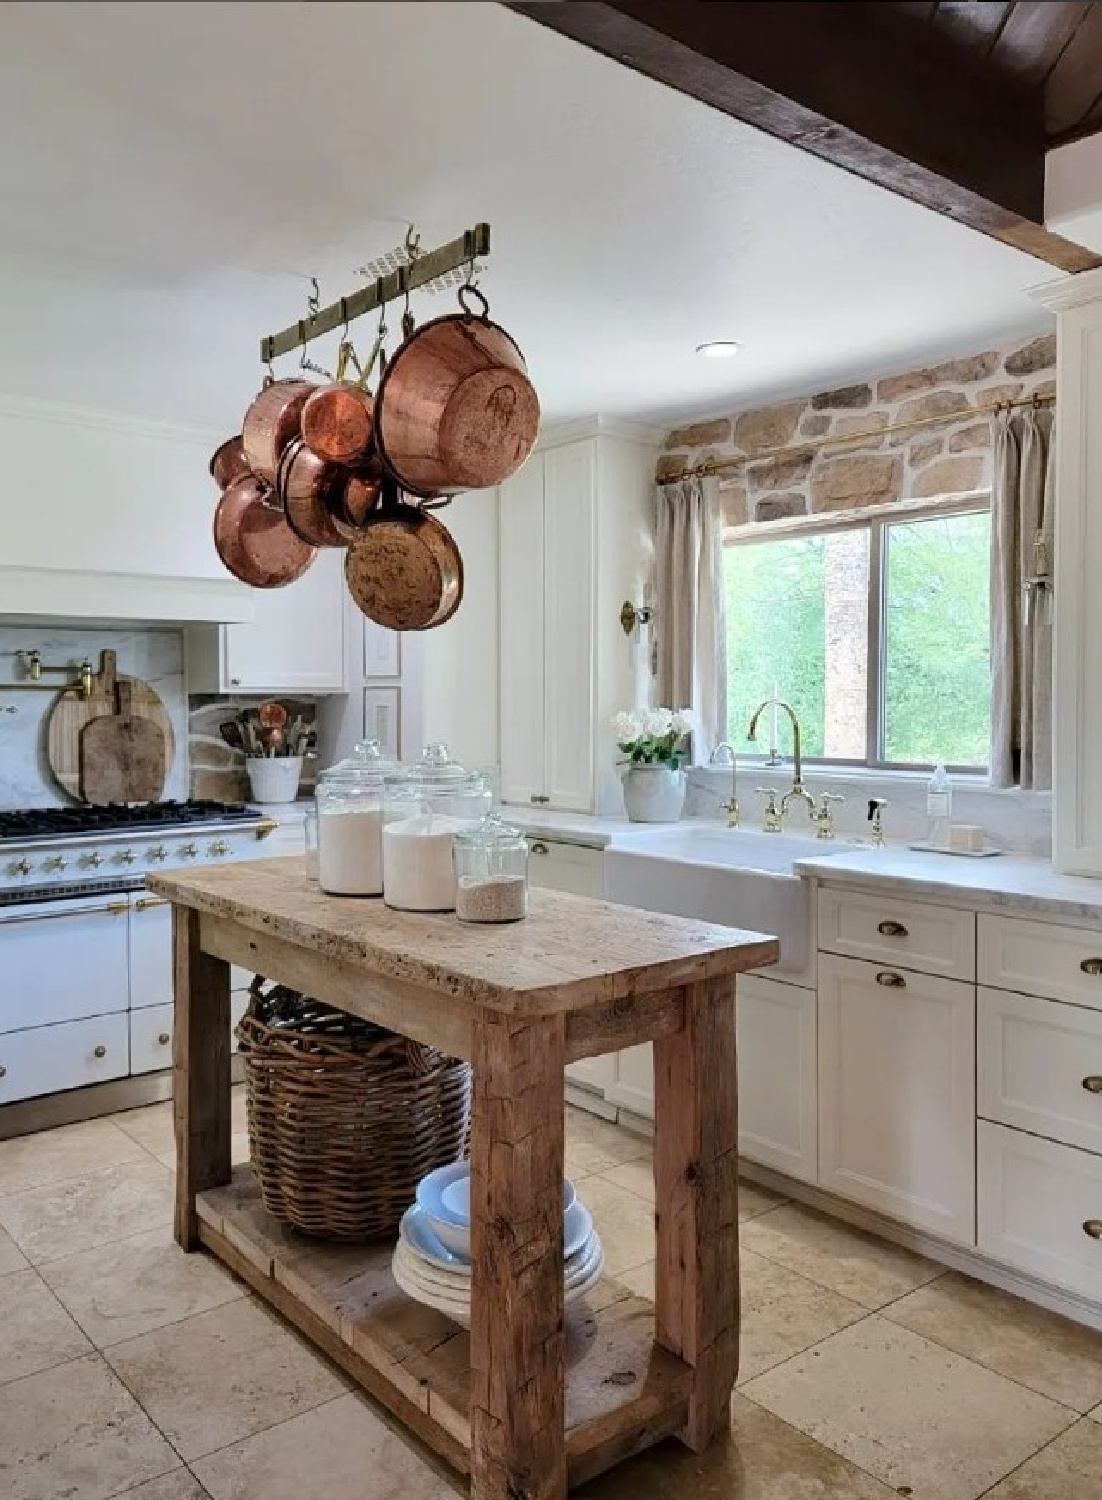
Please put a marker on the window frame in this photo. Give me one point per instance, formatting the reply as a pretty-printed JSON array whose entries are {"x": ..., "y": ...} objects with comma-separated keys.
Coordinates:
[{"x": 875, "y": 523}]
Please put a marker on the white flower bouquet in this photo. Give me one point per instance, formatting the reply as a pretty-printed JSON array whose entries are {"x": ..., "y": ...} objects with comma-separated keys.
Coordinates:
[{"x": 653, "y": 736}]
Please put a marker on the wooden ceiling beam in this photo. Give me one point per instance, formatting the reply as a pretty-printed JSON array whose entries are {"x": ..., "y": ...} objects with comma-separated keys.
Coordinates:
[{"x": 869, "y": 87}]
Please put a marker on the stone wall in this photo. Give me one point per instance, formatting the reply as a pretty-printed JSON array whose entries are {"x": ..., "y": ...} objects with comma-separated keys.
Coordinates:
[
  {"x": 217, "y": 770},
  {"x": 927, "y": 461}
]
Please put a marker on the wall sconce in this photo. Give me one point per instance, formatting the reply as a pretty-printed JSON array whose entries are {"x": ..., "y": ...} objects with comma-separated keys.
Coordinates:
[{"x": 633, "y": 618}]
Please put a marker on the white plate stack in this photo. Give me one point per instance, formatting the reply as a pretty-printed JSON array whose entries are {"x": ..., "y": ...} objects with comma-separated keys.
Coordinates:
[{"x": 432, "y": 1260}]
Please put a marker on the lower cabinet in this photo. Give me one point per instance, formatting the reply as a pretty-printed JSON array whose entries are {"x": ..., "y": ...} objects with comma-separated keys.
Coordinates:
[
  {"x": 151, "y": 1039},
  {"x": 897, "y": 1093},
  {"x": 778, "y": 1086},
  {"x": 632, "y": 1084},
  {"x": 46, "y": 1059}
]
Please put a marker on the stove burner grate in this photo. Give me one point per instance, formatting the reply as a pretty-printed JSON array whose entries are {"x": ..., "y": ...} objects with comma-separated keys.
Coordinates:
[{"x": 42, "y": 822}]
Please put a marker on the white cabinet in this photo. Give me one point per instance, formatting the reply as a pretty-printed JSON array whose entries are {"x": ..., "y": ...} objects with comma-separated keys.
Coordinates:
[
  {"x": 150, "y": 952},
  {"x": 1041, "y": 958},
  {"x": 778, "y": 1076},
  {"x": 892, "y": 930},
  {"x": 574, "y": 543},
  {"x": 151, "y": 1039},
  {"x": 42, "y": 981},
  {"x": 294, "y": 644},
  {"x": 897, "y": 1094},
  {"x": 47, "y": 1059}
]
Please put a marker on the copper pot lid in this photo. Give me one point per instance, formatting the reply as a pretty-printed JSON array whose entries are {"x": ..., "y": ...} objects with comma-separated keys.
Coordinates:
[
  {"x": 338, "y": 423},
  {"x": 253, "y": 539},
  {"x": 405, "y": 571}
]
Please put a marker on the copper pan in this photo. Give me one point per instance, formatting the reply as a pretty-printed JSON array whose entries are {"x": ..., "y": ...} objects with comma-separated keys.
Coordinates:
[
  {"x": 455, "y": 409},
  {"x": 405, "y": 571},
  {"x": 228, "y": 462},
  {"x": 253, "y": 539},
  {"x": 309, "y": 488},
  {"x": 271, "y": 422},
  {"x": 338, "y": 422}
]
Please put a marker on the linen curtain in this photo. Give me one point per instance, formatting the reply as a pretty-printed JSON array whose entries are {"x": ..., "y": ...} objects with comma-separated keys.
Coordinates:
[
  {"x": 1021, "y": 601},
  {"x": 690, "y": 607}
]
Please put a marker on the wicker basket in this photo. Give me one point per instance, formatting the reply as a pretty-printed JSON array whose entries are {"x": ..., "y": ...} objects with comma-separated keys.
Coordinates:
[{"x": 345, "y": 1118}]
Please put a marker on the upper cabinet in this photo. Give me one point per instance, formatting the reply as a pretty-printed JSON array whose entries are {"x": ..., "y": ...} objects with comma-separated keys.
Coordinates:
[
  {"x": 295, "y": 642},
  {"x": 575, "y": 543}
]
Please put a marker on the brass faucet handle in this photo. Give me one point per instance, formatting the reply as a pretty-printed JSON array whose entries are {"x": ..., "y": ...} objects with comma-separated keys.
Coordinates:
[
  {"x": 876, "y": 818},
  {"x": 772, "y": 814},
  {"x": 730, "y": 807},
  {"x": 823, "y": 817}
]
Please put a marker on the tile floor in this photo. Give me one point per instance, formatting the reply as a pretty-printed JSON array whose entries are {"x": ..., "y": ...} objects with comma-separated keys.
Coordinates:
[{"x": 130, "y": 1370}]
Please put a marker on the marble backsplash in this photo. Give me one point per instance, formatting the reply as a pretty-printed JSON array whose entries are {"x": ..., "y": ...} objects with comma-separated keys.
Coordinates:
[
  {"x": 217, "y": 770},
  {"x": 156, "y": 656}
]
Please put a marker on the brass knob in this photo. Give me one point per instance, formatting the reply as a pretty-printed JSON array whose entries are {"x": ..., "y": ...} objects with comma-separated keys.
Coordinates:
[
  {"x": 189, "y": 851},
  {"x": 56, "y": 862},
  {"x": 219, "y": 848},
  {"x": 99, "y": 1051},
  {"x": 164, "y": 1038},
  {"x": 159, "y": 852},
  {"x": 1093, "y": 1083},
  {"x": 125, "y": 856},
  {"x": 1091, "y": 966},
  {"x": 540, "y": 848},
  {"x": 1093, "y": 1227},
  {"x": 891, "y": 981},
  {"x": 20, "y": 867},
  {"x": 93, "y": 859},
  {"x": 892, "y": 929}
]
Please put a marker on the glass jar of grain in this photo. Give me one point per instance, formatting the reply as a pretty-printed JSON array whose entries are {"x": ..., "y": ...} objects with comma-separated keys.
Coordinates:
[{"x": 491, "y": 868}]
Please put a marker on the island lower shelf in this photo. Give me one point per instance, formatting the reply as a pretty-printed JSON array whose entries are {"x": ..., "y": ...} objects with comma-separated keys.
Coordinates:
[{"x": 623, "y": 1391}]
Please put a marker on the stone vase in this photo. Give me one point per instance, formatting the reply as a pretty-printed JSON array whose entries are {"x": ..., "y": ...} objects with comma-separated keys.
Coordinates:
[{"x": 654, "y": 793}]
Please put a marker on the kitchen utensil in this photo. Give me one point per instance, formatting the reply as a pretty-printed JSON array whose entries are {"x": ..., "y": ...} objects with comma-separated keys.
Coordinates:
[
  {"x": 404, "y": 570},
  {"x": 274, "y": 740},
  {"x": 307, "y": 486},
  {"x": 455, "y": 409},
  {"x": 356, "y": 499},
  {"x": 232, "y": 734},
  {"x": 122, "y": 756},
  {"x": 271, "y": 422},
  {"x": 70, "y": 713},
  {"x": 253, "y": 539},
  {"x": 271, "y": 715},
  {"x": 229, "y": 462}
]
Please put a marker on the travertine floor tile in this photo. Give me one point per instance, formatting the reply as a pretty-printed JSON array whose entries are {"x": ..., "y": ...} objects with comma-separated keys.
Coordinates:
[
  {"x": 1068, "y": 1469},
  {"x": 637, "y": 1176},
  {"x": 910, "y": 1412},
  {"x": 340, "y": 1451},
  {"x": 783, "y": 1314},
  {"x": 76, "y": 1432},
  {"x": 11, "y": 1257},
  {"x": 152, "y": 1127},
  {"x": 640, "y": 1279},
  {"x": 761, "y": 1458},
  {"x": 35, "y": 1330},
  {"x": 31, "y": 1161},
  {"x": 1037, "y": 1348},
  {"x": 223, "y": 1375},
  {"x": 1096, "y": 1414},
  {"x": 754, "y": 1200},
  {"x": 859, "y": 1266},
  {"x": 179, "y": 1485},
  {"x": 128, "y": 1288},
  {"x": 47, "y": 1223},
  {"x": 593, "y": 1145},
  {"x": 624, "y": 1221}
]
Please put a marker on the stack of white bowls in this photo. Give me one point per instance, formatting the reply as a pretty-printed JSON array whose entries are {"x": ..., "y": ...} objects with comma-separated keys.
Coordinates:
[{"x": 432, "y": 1260}]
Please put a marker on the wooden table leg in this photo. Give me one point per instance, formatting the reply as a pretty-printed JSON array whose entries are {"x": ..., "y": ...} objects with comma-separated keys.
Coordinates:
[
  {"x": 201, "y": 1071},
  {"x": 696, "y": 1184},
  {"x": 517, "y": 1403}
]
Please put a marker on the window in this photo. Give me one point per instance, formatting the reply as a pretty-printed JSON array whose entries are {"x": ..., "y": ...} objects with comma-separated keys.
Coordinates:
[{"x": 877, "y": 633}]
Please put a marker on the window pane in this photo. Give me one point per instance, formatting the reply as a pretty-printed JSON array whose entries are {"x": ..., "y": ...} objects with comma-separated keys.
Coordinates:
[
  {"x": 937, "y": 665},
  {"x": 797, "y": 629}
]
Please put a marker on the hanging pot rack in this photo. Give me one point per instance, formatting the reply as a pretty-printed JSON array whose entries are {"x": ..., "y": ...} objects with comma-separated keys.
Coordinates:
[{"x": 424, "y": 267}]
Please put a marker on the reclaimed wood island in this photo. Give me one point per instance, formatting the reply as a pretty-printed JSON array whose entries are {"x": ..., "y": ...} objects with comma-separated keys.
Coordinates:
[{"x": 529, "y": 1402}]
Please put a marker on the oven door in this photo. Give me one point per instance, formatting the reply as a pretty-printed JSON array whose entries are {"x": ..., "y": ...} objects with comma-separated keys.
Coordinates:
[{"x": 63, "y": 980}]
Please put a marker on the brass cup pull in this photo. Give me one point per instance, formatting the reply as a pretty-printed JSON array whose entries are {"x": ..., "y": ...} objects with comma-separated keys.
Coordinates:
[
  {"x": 99, "y": 1051},
  {"x": 164, "y": 1038},
  {"x": 892, "y": 929},
  {"x": 1093, "y": 1083},
  {"x": 539, "y": 848},
  {"x": 1093, "y": 1227},
  {"x": 1091, "y": 966},
  {"x": 538, "y": 800},
  {"x": 891, "y": 981}
]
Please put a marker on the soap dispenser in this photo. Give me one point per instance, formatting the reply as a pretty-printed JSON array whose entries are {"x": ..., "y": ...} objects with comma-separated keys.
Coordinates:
[{"x": 939, "y": 808}]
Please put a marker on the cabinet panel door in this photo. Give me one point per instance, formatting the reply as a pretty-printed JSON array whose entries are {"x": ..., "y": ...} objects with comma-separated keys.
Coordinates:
[
  {"x": 47, "y": 1059},
  {"x": 1041, "y": 958},
  {"x": 296, "y": 641},
  {"x": 151, "y": 1039},
  {"x": 41, "y": 980},
  {"x": 150, "y": 952},
  {"x": 521, "y": 592},
  {"x": 897, "y": 1094},
  {"x": 570, "y": 485},
  {"x": 777, "y": 1076},
  {"x": 565, "y": 867},
  {"x": 634, "y": 1085}
]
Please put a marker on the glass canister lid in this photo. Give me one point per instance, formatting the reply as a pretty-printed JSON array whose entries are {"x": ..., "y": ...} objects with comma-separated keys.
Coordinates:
[
  {"x": 491, "y": 833},
  {"x": 436, "y": 770},
  {"x": 366, "y": 765}
]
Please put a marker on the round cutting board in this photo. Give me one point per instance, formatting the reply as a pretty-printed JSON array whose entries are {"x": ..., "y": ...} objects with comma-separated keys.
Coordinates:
[{"x": 71, "y": 712}]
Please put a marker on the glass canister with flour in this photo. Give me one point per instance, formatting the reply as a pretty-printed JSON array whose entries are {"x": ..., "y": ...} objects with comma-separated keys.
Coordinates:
[
  {"x": 425, "y": 806},
  {"x": 350, "y": 822},
  {"x": 491, "y": 867}
]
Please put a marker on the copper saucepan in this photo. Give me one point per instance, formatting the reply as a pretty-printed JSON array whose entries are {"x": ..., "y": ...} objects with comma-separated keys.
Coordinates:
[
  {"x": 310, "y": 492},
  {"x": 338, "y": 422},
  {"x": 271, "y": 422},
  {"x": 253, "y": 539},
  {"x": 228, "y": 462},
  {"x": 455, "y": 409},
  {"x": 405, "y": 571}
]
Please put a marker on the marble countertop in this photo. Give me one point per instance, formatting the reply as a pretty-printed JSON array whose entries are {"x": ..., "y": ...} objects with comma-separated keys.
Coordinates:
[
  {"x": 1008, "y": 882},
  {"x": 573, "y": 828}
]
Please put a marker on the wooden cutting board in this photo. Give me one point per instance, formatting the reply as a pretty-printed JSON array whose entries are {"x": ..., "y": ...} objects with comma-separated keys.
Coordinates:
[
  {"x": 71, "y": 713},
  {"x": 122, "y": 756}
]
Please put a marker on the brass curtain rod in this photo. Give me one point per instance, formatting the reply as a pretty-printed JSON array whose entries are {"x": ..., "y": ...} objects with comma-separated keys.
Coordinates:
[
  {"x": 423, "y": 268},
  {"x": 943, "y": 419}
]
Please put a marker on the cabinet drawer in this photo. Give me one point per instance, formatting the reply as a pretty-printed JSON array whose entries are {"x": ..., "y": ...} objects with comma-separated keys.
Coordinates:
[
  {"x": 47, "y": 1059},
  {"x": 151, "y": 1039},
  {"x": 1040, "y": 1067},
  {"x": 1041, "y": 958},
  {"x": 565, "y": 867},
  {"x": 1040, "y": 1208},
  {"x": 913, "y": 934}
]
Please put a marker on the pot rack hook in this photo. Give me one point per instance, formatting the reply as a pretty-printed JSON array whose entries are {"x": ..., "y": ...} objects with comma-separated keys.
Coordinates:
[
  {"x": 403, "y": 290},
  {"x": 303, "y": 362}
]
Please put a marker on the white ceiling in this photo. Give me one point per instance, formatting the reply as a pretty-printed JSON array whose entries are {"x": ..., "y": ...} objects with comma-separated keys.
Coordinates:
[{"x": 169, "y": 173}]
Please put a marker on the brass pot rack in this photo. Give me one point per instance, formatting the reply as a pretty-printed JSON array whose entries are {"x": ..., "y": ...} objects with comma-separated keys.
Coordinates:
[
  {"x": 942, "y": 419},
  {"x": 423, "y": 267}
]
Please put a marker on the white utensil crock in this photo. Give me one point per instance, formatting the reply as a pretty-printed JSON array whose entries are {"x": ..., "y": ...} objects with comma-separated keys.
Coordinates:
[{"x": 274, "y": 778}]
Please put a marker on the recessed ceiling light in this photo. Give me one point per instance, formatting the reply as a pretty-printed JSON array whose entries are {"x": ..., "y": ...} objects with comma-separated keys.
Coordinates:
[{"x": 718, "y": 348}]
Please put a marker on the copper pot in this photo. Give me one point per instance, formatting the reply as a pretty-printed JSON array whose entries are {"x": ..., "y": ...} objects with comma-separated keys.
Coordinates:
[
  {"x": 309, "y": 489},
  {"x": 253, "y": 539},
  {"x": 355, "y": 500},
  {"x": 229, "y": 462},
  {"x": 455, "y": 409},
  {"x": 271, "y": 422},
  {"x": 338, "y": 422},
  {"x": 405, "y": 571}
]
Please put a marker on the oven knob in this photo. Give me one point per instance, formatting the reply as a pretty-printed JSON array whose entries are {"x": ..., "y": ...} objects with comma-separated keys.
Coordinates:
[
  {"x": 160, "y": 852},
  {"x": 55, "y": 862},
  {"x": 95, "y": 860},
  {"x": 189, "y": 851},
  {"x": 219, "y": 848},
  {"x": 19, "y": 867},
  {"x": 125, "y": 856}
]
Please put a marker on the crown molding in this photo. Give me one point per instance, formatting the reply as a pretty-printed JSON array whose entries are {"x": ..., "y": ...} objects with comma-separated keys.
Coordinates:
[
  {"x": 37, "y": 409},
  {"x": 71, "y": 594},
  {"x": 555, "y": 434},
  {"x": 1069, "y": 291}
]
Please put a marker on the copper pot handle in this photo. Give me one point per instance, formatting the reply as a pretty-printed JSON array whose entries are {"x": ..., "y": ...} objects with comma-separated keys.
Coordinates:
[{"x": 468, "y": 289}]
